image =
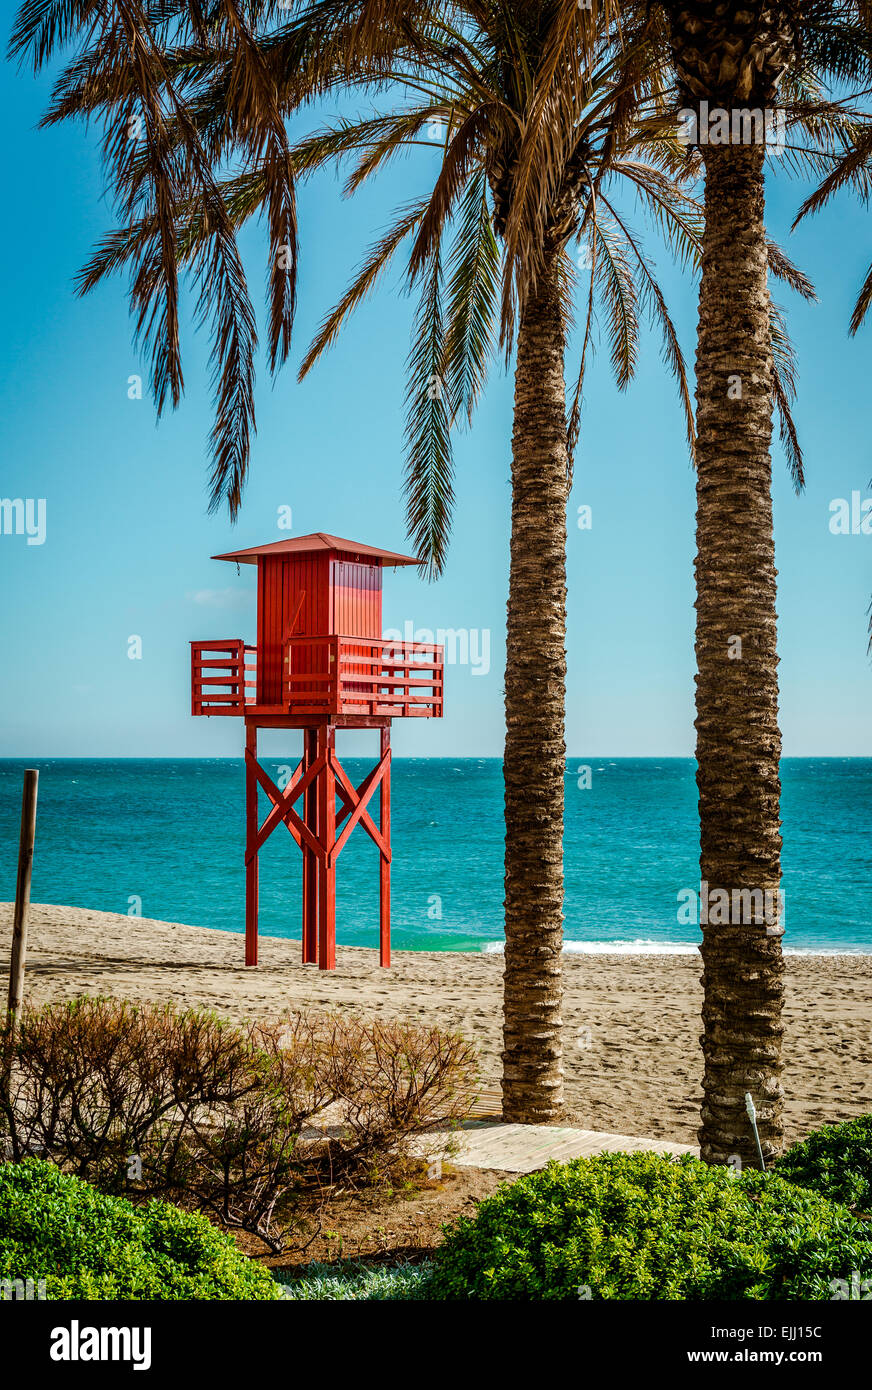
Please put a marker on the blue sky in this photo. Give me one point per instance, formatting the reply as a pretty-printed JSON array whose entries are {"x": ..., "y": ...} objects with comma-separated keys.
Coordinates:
[{"x": 128, "y": 538}]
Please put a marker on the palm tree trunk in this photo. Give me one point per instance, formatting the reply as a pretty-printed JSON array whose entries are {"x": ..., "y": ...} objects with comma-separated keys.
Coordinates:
[
  {"x": 535, "y": 751},
  {"x": 738, "y": 739}
]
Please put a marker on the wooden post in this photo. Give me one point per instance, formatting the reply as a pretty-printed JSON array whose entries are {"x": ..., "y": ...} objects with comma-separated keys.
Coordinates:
[
  {"x": 251, "y": 869},
  {"x": 327, "y": 865},
  {"x": 384, "y": 896},
  {"x": 310, "y": 859},
  {"x": 22, "y": 893}
]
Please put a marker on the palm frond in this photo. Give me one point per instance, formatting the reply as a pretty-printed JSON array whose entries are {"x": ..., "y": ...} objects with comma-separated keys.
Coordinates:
[
  {"x": 852, "y": 168},
  {"x": 453, "y": 174},
  {"x": 679, "y": 217},
  {"x": 42, "y": 27},
  {"x": 429, "y": 471},
  {"x": 364, "y": 282},
  {"x": 346, "y": 136},
  {"x": 404, "y": 128},
  {"x": 782, "y": 267},
  {"x": 574, "y": 420},
  {"x": 615, "y": 282},
  {"x": 654, "y": 302},
  {"x": 861, "y": 307},
  {"x": 784, "y": 381},
  {"x": 473, "y": 297},
  {"x": 225, "y": 305}
]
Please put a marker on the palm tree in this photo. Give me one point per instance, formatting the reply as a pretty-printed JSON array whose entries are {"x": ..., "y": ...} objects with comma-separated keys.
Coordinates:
[
  {"x": 734, "y": 58},
  {"x": 534, "y": 145},
  {"x": 476, "y": 289}
]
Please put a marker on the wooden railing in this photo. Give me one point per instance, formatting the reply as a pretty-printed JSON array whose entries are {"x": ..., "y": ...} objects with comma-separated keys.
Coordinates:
[
  {"x": 222, "y": 676},
  {"x": 355, "y": 675},
  {"x": 323, "y": 676}
]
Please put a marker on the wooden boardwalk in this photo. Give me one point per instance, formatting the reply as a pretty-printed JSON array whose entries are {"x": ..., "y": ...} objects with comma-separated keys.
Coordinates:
[
  {"x": 485, "y": 1141},
  {"x": 524, "y": 1148}
]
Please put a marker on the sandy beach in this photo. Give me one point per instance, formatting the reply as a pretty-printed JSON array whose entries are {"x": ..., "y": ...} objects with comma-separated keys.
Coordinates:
[{"x": 632, "y": 1022}]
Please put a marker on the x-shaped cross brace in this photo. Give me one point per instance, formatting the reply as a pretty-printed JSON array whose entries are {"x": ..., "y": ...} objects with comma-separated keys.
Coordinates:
[{"x": 354, "y": 803}]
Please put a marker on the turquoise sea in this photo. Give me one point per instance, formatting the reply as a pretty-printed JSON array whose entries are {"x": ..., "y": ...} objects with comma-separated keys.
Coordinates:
[{"x": 166, "y": 837}]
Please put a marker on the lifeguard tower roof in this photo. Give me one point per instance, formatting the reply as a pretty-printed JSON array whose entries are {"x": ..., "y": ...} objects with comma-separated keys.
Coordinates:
[{"x": 318, "y": 541}]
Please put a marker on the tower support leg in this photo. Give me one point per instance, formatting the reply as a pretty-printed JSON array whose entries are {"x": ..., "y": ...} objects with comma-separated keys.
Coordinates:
[
  {"x": 327, "y": 866},
  {"x": 310, "y": 859},
  {"x": 384, "y": 916},
  {"x": 251, "y": 869}
]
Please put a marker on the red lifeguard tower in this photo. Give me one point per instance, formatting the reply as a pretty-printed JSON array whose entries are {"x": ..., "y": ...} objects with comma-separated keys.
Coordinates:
[{"x": 319, "y": 665}]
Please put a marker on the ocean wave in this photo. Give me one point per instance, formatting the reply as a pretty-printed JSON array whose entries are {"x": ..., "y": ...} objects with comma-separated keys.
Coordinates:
[
  {"x": 643, "y": 947},
  {"x": 615, "y": 948}
]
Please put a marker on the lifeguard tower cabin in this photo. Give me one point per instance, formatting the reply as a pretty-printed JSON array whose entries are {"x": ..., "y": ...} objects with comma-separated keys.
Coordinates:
[{"x": 319, "y": 665}]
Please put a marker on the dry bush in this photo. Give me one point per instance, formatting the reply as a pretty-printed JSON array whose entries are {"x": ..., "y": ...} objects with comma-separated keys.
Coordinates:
[
  {"x": 87, "y": 1081},
  {"x": 218, "y": 1116},
  {"x": 241, "y": 1165},
  {"x": 395, "y": 1081},
  {"x": 93, "y": 1080},
  {"x": 244, "y": 1163}
]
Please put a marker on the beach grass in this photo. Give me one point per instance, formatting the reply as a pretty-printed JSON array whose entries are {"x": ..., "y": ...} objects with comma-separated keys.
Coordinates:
[{"x": 355, "y": 1280}]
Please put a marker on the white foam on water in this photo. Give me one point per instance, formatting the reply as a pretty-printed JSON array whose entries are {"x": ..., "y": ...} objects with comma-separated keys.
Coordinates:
[
  {"x": 643, "y": 947},
  {"x": 615, "y": 948}
]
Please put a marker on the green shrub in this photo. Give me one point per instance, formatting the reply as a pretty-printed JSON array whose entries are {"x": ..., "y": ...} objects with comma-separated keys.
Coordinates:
[
  {"x": 642, "y": 1226},
  {"x": 85, "y": 1244},
  {"x": 835, "y": 1161}
]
